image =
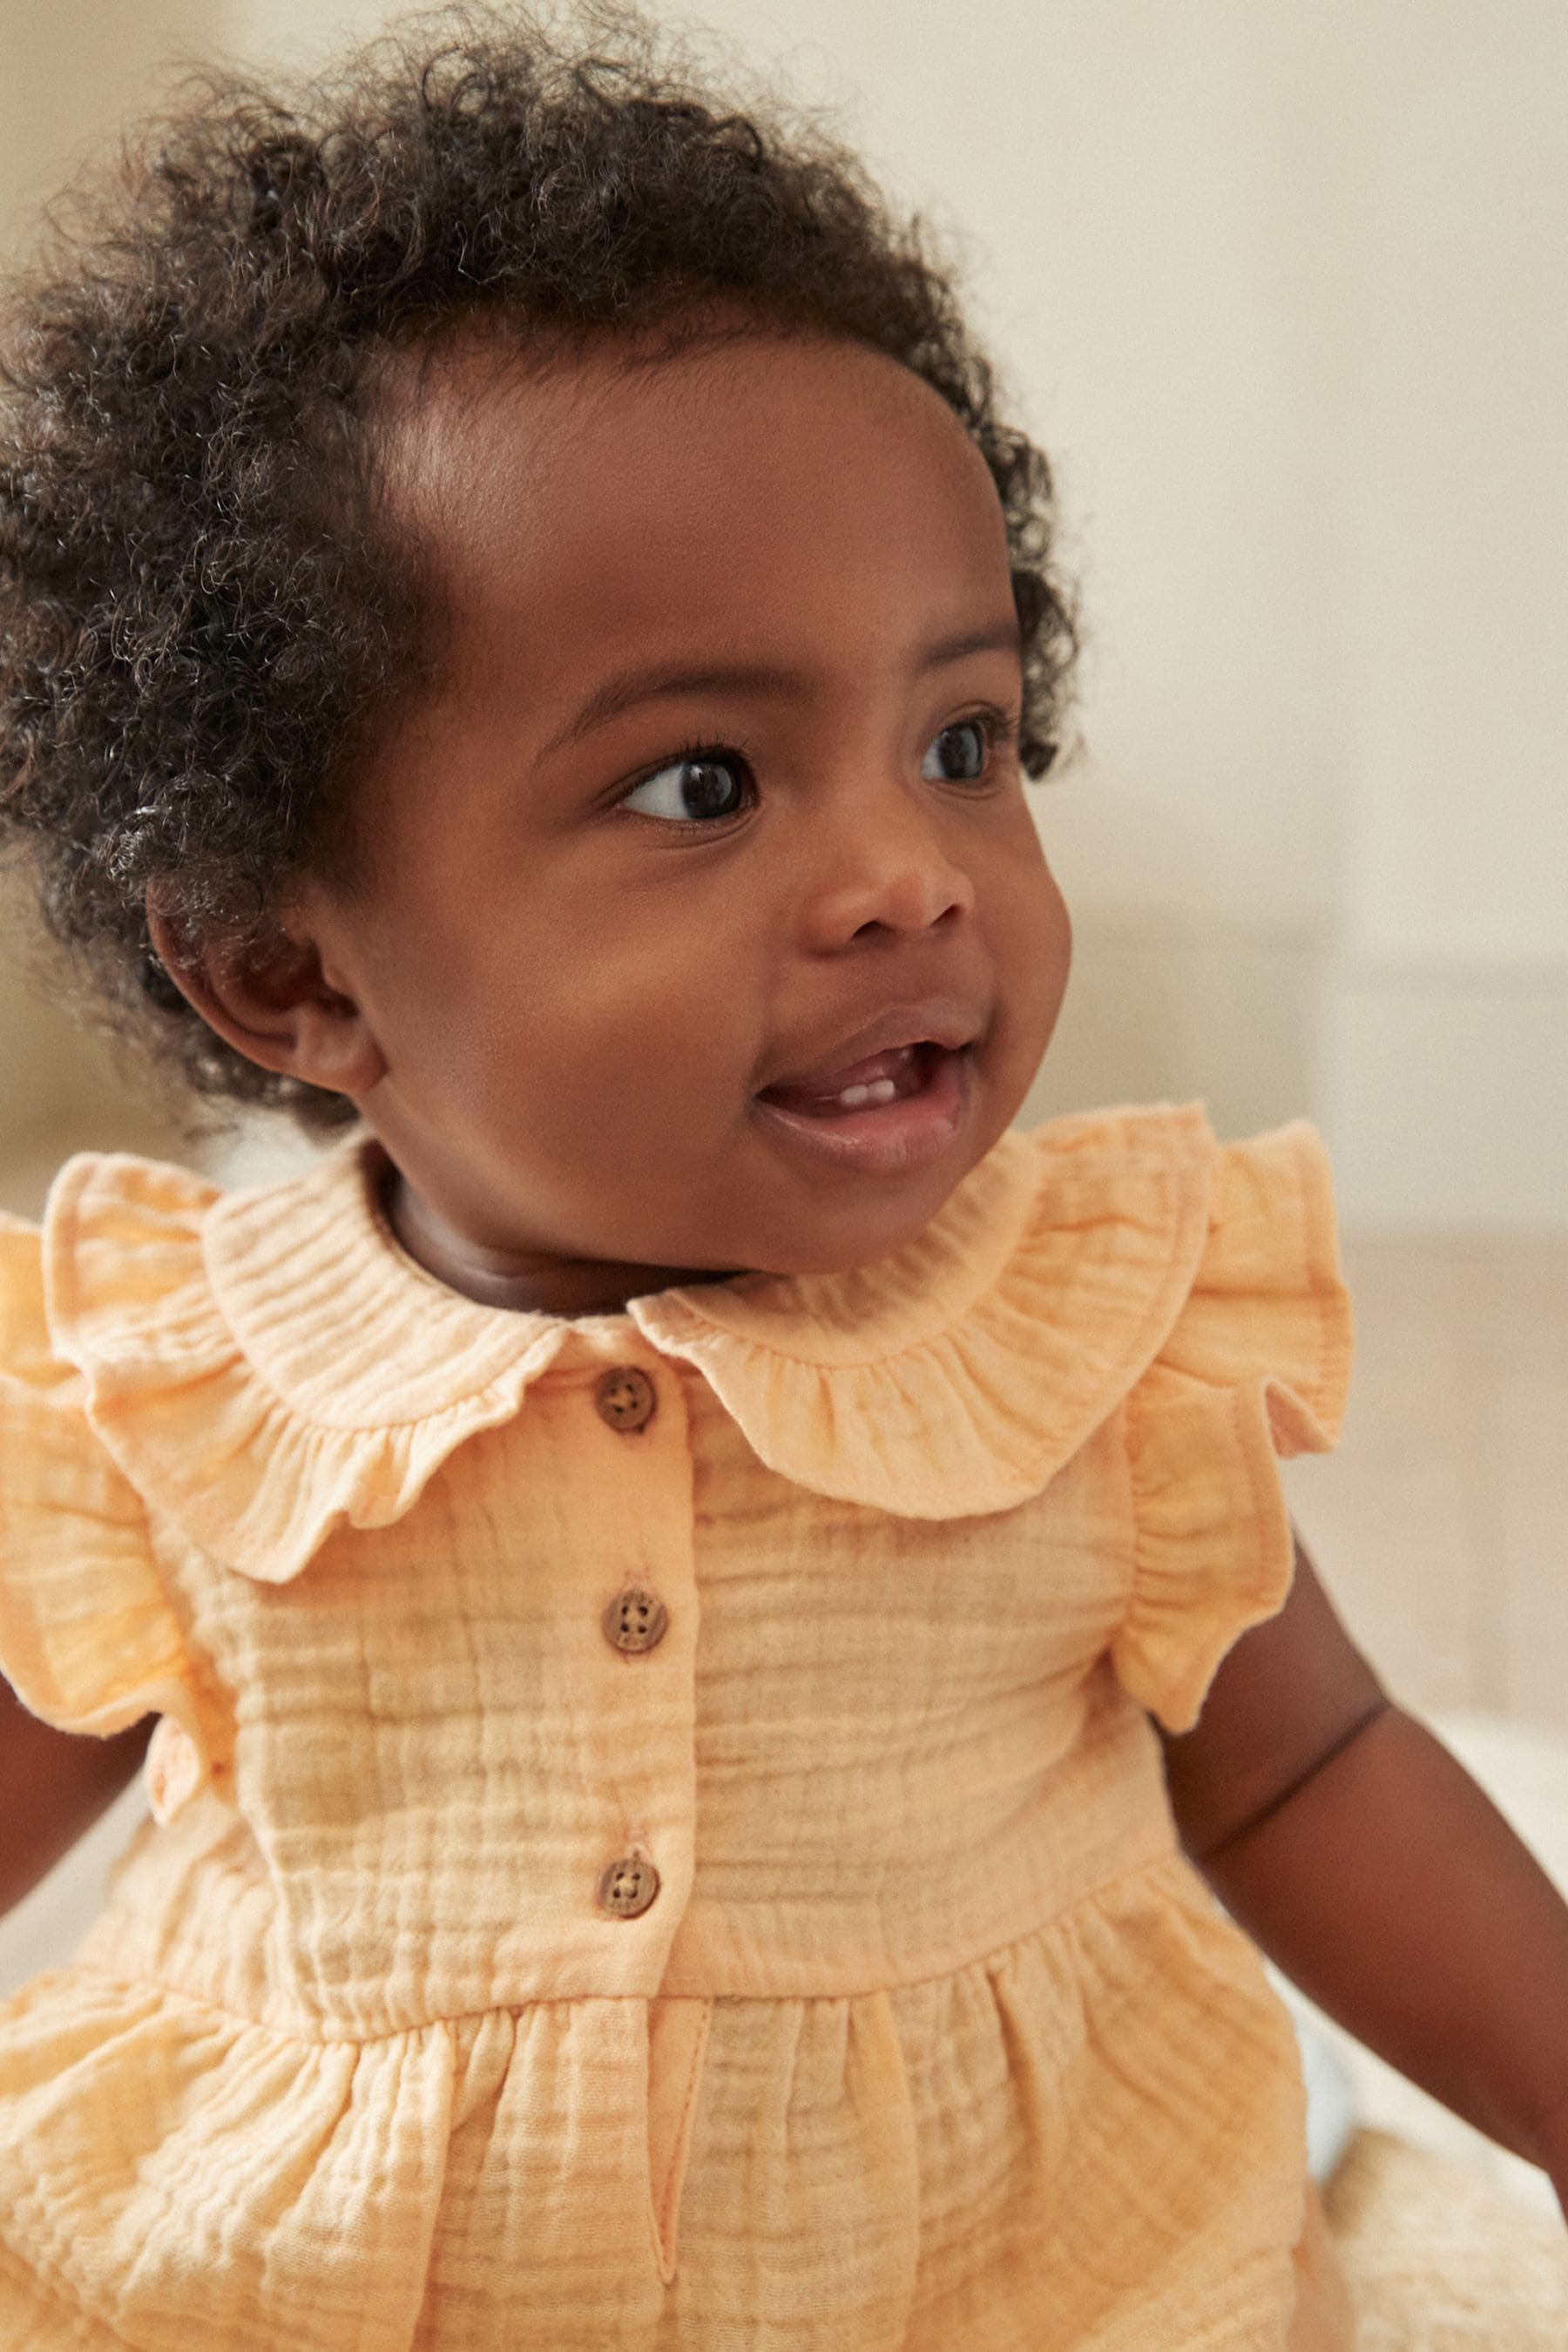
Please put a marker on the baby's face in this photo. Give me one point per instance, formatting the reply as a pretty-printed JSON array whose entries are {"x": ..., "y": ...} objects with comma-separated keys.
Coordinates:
[{"x": 721, "y": 772}]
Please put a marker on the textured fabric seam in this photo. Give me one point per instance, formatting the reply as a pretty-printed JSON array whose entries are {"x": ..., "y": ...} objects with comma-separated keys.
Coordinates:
[{"x": 1169, "y": 1853}]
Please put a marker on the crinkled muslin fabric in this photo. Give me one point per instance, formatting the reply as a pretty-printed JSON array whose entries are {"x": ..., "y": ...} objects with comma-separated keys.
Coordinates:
[{"x": 929, "y": 2039}]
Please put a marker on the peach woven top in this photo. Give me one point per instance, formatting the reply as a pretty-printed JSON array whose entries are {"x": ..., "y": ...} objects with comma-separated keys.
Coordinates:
[{"x": 658, "y": 1845}]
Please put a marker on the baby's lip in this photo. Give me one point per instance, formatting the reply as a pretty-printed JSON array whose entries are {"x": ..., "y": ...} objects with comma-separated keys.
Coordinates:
[{"x": 943, "y": 1021}]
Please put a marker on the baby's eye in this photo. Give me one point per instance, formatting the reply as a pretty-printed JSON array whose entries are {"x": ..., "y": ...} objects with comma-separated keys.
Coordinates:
[
  {"x": 701, "y": 785},
  {"x": 959, "y": 754}
]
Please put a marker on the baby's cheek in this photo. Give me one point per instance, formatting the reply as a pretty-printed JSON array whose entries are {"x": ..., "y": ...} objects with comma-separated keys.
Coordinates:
[{"x": 1032, "y": 937}]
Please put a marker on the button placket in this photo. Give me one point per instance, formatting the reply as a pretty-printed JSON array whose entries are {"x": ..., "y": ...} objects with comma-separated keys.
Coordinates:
[
  {"x": 625, "y": 1400},
  {"x": 648, "y": 1759}
]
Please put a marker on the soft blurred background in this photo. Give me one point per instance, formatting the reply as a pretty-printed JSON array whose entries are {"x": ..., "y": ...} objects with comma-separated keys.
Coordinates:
[{"x": 1285, "y": 291}]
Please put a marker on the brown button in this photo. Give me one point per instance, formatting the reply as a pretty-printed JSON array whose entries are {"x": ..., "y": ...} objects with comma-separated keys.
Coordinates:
[
  {"x": 626, "y": 1397},
  {"x": 635, "y": 1620},
  {"x": 628, "y": 1886}
]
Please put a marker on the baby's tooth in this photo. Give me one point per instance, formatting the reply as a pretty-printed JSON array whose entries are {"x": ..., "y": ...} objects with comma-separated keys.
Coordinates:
[{"x": 880, "y": 1090}]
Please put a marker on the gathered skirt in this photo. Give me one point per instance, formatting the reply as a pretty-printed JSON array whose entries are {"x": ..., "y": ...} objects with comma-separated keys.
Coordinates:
[{"x": 1026, "y": 2154}]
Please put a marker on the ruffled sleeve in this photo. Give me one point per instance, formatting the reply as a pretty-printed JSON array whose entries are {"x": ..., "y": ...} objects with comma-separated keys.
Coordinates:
[
  {"x": 88, "y": 1640},
  {"x": 1256, "y": 1365}
]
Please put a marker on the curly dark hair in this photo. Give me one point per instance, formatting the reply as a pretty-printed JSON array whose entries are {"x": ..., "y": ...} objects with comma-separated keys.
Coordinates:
[{"x": 203, "y": 608}]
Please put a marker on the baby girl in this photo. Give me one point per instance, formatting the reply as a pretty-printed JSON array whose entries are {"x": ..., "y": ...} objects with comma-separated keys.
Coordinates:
[{"x": 714, "y": 1616}]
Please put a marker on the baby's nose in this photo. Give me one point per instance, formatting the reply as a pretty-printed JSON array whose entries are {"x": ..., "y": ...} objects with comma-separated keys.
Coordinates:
[{"x": 897, "y": 877}]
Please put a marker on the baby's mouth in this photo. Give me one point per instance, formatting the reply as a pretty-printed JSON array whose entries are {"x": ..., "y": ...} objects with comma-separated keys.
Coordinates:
[
  {"x": 888, "y": 1116},
  {"x": 888, "y": 1076}
]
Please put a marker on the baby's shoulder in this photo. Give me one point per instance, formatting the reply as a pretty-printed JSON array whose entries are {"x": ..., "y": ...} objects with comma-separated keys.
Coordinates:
[
  {"x": 117, "y": 1232},
  {"x": 1217, "y": 1262},
  {"x": 90, "y": 1639},
  {"x": 1264, "y": 1203},
  {"x": 260, "y": 1363}
]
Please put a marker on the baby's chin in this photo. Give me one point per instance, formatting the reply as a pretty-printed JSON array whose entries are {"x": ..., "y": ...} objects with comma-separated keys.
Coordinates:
[
  {"x": 804, "y": 1265},
  {"x": 846, "y": 1247}
]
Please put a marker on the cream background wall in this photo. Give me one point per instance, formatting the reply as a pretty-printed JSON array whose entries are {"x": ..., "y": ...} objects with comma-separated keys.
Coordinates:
[{"x": 1283, "y": 291}]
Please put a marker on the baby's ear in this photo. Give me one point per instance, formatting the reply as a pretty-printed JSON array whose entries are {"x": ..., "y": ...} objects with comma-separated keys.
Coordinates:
[{"x": 263, "y": 990}]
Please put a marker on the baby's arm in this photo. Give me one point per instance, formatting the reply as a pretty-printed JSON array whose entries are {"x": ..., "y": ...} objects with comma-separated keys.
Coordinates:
[
  {"x": 53, "y": 1787},
  {"x": 1359, "y": 1854}
]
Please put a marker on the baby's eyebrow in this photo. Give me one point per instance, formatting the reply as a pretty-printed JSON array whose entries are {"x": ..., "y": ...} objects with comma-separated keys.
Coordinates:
[{"x": 662, "y": 684}]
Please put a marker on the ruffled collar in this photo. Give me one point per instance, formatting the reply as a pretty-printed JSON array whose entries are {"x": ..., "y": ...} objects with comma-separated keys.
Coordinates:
[{"x": 266, "y": 1364}]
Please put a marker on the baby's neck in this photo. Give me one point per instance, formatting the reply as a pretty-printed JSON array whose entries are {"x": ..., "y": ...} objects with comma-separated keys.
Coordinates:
[{"x": 526, "y": 1281}]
